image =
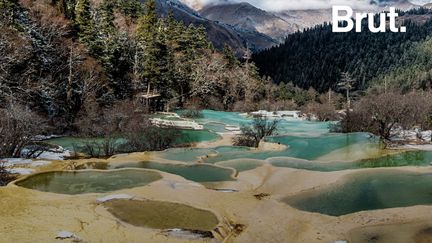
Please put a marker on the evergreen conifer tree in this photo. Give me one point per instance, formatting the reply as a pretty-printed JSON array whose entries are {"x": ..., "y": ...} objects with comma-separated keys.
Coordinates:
[
  {"x": 147, "y": 37},
  {"x": 7, "y": 10},
  {"x": 230, "y": 56},
  {"x": 85, "y": 23}
]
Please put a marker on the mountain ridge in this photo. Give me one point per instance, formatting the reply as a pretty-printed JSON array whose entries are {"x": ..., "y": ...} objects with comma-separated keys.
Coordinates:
[
  {"x": 247, "y": 16},
  {"x": 220, "y": 34}
]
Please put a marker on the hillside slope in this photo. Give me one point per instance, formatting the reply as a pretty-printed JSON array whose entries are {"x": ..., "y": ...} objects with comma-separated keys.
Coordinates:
[{"x": 317, "y": 57}]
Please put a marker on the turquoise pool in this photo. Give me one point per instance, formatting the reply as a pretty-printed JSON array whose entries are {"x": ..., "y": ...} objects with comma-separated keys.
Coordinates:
[
  {"x": 195, "y": 172},
  {"x": 367, "y": 191},
  {"x": 309, "y": 148},
  {"x": 80, "y": 182}
]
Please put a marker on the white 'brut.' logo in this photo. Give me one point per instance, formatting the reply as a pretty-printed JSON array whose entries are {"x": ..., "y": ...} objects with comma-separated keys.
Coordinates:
[{"x": 345, "y": 23}]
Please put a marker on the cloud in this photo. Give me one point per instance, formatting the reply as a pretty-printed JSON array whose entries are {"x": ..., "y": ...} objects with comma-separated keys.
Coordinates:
[{"x": 279, "y": 5}]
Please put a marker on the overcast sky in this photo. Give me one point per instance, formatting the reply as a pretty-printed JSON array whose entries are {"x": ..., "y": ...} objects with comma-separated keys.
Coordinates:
[{"x": 277, "y": 5}]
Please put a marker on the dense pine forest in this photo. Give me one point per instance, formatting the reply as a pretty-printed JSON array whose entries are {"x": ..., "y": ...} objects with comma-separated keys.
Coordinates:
[
  {"x": 65, "y": 59},
  {"x": 318, "y": 58}
]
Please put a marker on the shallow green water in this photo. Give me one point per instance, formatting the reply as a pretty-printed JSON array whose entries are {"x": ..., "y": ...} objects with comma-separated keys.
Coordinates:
[
  {"x": 213, "y": 119},
  {"x": 410, "y": 158},
  {"x": 196, "y": 136},
  {"x": 162, "y": 215},
  {"x": 215, "y": 127},
  {"x": 195, "y": 172},
  {"x": 313, "y": 147},
  {"x": 189, "y": 155},
  {"x": 187, "y": 136},
  {"x": 192, "y": 155},
  {"x": 309, "y": 148},
  {"x": 368, "y": 191},
  {"x": 229, "y": 118},
  {"x": 305, "y": 128},
  {"x": 241, "y": 165},
  {"x": 76, "y": 143},
  {"x": 66, "y": 182}
]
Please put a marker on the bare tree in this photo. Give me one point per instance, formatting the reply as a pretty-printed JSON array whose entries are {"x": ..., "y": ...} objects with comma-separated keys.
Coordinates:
[
  {"x": 380, "y": 114},
  {"x": 347, "y": 84},
  {"x": 18, "y": 126},
  {"x": 251, "y": 136},
  {"x": 322, "y": 112}
]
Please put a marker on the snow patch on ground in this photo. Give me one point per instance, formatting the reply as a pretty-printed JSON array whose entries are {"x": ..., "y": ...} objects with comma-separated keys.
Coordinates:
[
  {"x": 411, "y": 135},
  {"x": 16, "y": 161},
  {"x": 23, "y": 166},
  {"x": 20, "y": 171},
  {"x": 46, "y": 137},
  {"x": 10, "y": 162},
  {"x": 58, "y": 153},
  {"x": 55, "y": 155},
  {"x": 287, "y": 115}
]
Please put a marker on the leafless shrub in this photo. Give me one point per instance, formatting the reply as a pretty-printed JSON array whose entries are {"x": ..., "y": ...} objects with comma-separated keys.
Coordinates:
[
  {"x": 103, "y": 147},
  {"x": 34, "y": 150},
  {"x": 252, "y": 135},
  {"x": 322, "y": 112},
  {"x": 18, "y": 126},
  {"x": 243, "y": 106},
  {"x": 141, "y": 135},
  {"x": 96, "y": 121}
]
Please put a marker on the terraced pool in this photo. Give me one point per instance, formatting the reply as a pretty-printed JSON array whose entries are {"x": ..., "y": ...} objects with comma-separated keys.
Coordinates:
[
  {"x": 80, "y": 182},
  {"x": 162, "y": 215},
  {"x": 195, "y": 172},
  {"x": 367, "y": 191}
]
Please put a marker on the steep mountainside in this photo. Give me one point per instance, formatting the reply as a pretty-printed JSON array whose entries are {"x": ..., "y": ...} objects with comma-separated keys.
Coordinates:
[
  {"x": 246, "y": 16},
  {"x": 219, "y": 33},
  {"x": 317, "y": 57}
]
